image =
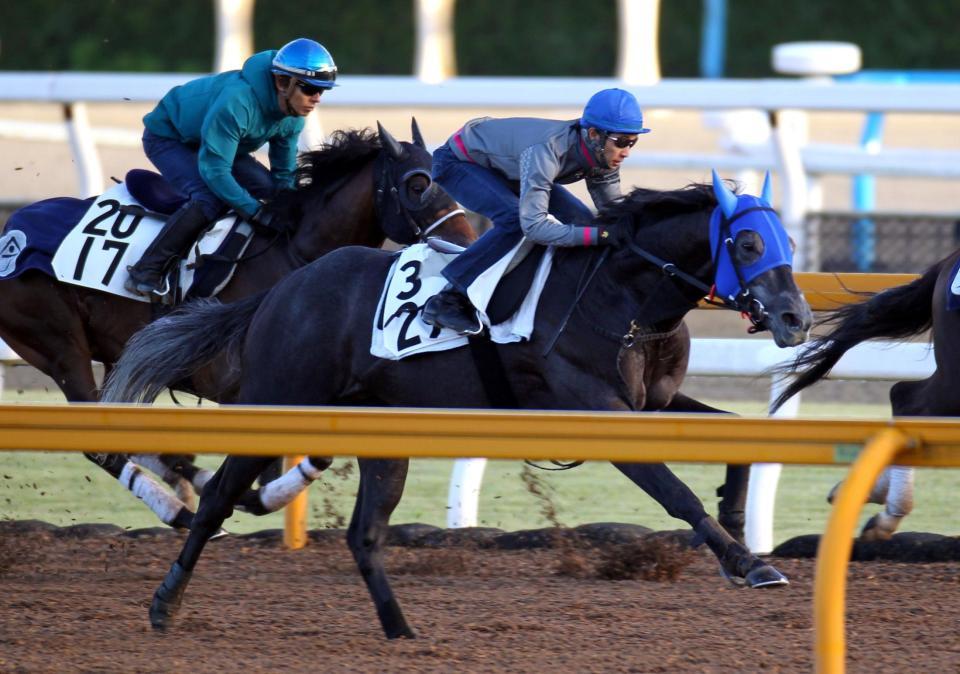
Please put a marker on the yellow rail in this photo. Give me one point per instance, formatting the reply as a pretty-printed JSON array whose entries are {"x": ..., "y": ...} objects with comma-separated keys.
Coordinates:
[
  {"x": 833, "y": 556},
  {"x": 829, "y": 291},
  {"x": 395, "y": 433}
]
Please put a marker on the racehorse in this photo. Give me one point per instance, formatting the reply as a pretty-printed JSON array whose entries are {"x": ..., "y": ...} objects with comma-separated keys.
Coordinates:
[
  {"x": 608, "y": 335},
  {"x": 359, "y": 189},
  {"x": 895, "y": 313}
]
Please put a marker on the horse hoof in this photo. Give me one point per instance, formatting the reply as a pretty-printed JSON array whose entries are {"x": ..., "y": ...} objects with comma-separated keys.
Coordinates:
[
  {"x": 876, "y": 529},
  {"x": 168, "y": 597},
  {"x": 765, "y": 576},
  {"x": 403, "y": 633},
  {"x": 161, "y": 613}
]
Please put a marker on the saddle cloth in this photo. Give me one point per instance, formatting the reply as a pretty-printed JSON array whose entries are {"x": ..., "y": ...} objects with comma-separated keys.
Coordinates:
[
  {"x": 91, "y": 242},
  {"x": 414, "y": 277}
]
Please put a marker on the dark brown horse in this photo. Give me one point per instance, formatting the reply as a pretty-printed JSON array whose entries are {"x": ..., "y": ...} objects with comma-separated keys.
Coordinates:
[
  {"x": 608, "y": 335},
  {"x": 897, "y": 313},
  {"x": 359, "y": 189}
]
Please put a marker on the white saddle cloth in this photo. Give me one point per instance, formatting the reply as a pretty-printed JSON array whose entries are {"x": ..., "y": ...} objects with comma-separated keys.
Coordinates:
[
  {"x": 399, "y": 331},
  {"x": 98, "y": 250}
]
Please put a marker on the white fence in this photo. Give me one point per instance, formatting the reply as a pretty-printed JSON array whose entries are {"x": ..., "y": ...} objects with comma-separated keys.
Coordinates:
[
  {"x": 736, "y": 358},
  {"x": 784, "y": 151}
]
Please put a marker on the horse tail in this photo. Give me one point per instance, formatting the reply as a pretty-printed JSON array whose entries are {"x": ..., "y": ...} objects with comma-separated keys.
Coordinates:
[
  {"x": 896, "y": 313},
  {"x": 173, "y": 348}
]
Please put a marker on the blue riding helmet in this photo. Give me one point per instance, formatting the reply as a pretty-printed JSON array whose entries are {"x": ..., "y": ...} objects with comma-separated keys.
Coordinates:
[
  {"x": 615, "y": 111},
  {"x": 308, "y": 61}
]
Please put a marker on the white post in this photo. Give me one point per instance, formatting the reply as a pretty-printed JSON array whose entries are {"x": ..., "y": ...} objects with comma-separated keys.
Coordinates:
[
  {"x": 463, "y": 499},
  {"x": 435, "y": 55},
  {"x": 638, "y": 57},
  {"x": 80, "y": 136},
  {"x": 234, "y": 34},
  {"x": 814, "y": 61},
  {"x": 764, "y": 477}
]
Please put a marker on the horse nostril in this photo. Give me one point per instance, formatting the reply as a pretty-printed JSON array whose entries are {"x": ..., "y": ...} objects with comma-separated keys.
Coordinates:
[{"x": 791, "y": 320}]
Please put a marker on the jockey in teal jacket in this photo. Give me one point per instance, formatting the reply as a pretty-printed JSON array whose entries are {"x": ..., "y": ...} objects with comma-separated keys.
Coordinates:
[
  {"x": 202, "y": 135},
  {"x": 226, "y": 115}
]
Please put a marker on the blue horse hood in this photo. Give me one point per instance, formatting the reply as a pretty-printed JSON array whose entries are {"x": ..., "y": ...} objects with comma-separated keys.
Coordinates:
[{"x": 754, "y": 214}]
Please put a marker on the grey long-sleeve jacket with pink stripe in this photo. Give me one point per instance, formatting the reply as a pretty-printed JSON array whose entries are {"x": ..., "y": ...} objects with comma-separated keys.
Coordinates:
[{"x": 537, "y": 153}]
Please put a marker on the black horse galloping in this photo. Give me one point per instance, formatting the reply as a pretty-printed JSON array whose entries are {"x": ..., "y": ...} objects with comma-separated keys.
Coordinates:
[{"x": 306, "y": 342}]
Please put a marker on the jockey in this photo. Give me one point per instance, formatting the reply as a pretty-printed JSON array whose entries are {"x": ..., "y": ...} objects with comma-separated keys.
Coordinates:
[
  {"x": 513, "y": 171},
  {"x": 201, "y": 136}
]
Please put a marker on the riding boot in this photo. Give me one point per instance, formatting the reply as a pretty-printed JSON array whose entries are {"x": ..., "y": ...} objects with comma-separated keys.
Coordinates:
[
  {"x": 452, "y": 309},
  {"x": 180, "y": 230}
]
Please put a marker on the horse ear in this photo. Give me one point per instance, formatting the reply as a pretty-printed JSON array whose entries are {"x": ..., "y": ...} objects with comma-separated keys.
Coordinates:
[
  {"x": 417, "y": 136},
  {"x": 389, "y": 142},
  {"x": 726, "y": 198},
  {"x": 766, "y": 194}
]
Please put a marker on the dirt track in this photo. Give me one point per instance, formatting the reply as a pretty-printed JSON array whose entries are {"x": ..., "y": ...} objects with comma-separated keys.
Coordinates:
[{"x": 79, "y": 604}]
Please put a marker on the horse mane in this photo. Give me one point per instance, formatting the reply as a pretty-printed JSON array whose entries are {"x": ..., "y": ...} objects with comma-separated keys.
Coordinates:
[
  {"x": 345, "y": 153},
  {"x": 646, "y": 206}
]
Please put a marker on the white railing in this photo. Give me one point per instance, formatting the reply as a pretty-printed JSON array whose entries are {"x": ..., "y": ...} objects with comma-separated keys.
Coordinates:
[
  {"x": 785, "y": 151},
  {"x": 736, "y": 358}
]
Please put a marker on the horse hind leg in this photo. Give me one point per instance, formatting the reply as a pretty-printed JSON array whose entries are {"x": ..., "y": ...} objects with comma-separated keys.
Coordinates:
[
  {"x": 280, "y": 491},
  {"x": 216, "y": 504},
  {"x": 381, "y": 485}
]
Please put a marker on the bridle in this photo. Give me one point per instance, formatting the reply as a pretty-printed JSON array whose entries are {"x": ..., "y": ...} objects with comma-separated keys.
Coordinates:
[
  {"x": 394, "y": 204},
  {"x": 742, "y": 301}
]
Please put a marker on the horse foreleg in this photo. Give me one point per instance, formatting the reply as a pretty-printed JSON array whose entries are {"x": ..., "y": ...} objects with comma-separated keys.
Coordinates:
[
  {"x": 736, "y": 561},
  {"x": 216, "y": 504},
  {"x": 733, "y": 491},
  {"x": 171, "y": 468},
  {"x": 171, "y": 510},
  {"x": 381, "y": 485}
]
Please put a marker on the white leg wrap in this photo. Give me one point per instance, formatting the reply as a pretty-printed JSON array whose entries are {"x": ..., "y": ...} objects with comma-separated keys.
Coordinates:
[
  {"x": 879, "y": 492},
  {"x": 285, "y": 488},
  {"x": 155, "y": 465},
  {"x": 201, "y": 478},
  {"x": 900, "y": 493},
  {"x": 161, "y": 502}
]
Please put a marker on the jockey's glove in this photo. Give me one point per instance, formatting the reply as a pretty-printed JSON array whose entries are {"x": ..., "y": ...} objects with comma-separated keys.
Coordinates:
[{"x": 263, "y": 218}]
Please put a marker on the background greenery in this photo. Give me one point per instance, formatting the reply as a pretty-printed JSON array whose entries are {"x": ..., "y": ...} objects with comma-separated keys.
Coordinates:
[{"x": 505, "y": 37}]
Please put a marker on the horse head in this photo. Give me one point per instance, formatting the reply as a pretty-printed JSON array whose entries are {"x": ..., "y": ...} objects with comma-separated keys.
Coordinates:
[
  {"x": 754, "y": 259},
  {"x": 410, "y": 205}
]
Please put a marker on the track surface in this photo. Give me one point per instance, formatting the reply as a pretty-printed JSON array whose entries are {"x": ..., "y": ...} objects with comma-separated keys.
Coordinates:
[{"x": 80, "y": 604}]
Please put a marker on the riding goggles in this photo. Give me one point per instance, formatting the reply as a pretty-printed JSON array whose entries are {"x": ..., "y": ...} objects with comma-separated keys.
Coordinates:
[
  {"x": 621, "y": 141},
  {"x": 309, "y": 89}
]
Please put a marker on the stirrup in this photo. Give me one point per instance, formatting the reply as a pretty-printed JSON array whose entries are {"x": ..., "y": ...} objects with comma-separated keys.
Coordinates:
[{"x": 146, "y": 289}]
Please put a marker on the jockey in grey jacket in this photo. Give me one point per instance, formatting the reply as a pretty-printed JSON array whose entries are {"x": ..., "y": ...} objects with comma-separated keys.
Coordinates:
[
  {"x": 513, "y": 171},
  {"x": 538, "y": 154}
]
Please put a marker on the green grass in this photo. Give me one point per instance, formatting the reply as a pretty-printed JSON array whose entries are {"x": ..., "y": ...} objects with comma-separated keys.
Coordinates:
[{"x": 65, "y": 488}]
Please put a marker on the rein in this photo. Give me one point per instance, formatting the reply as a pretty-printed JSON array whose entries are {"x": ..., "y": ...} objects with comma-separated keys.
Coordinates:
[{"x": 743, "y": 302}]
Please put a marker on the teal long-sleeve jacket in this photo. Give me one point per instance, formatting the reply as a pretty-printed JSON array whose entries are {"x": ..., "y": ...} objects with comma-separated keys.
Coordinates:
[{"x": 230, "y": 114}]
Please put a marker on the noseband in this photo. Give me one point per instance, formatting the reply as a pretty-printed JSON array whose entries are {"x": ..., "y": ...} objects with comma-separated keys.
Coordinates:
[{"x": 393, "y": 202}]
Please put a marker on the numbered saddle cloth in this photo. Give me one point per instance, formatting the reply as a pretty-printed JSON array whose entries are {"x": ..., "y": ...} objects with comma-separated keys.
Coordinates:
[{"x": 399, "y": 331}]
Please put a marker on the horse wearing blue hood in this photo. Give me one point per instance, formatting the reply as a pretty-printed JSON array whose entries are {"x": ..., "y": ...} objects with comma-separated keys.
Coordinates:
[{"x": 608, "y": 336}]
